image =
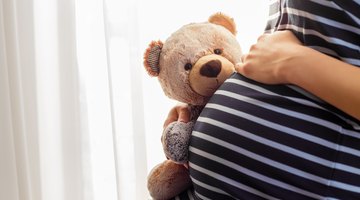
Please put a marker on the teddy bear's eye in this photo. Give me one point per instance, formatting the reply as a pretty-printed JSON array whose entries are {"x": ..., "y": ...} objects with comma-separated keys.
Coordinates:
[
  {"x": 188, "y": 66},
  {"x": 218, "y": 51}
]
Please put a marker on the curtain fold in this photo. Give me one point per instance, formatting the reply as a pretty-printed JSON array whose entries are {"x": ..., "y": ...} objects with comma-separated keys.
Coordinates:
[
  {"x": 8, "y": 174},
  {"x": 100, "y": 167},
  {"x": 71, "y": 115},
  {"x": 40, "y": 127},
  {"x": 125, "y": 66},
  {"x": 18, "y": 89}
]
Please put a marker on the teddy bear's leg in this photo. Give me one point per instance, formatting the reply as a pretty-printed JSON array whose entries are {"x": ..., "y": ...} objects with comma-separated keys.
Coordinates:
[
  {"x": 167, "y": 180},
  {"x": 176, "y": 139}
]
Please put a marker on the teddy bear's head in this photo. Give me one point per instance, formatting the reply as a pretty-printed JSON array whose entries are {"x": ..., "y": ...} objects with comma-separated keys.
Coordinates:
[{"x": 195, "y": 60}]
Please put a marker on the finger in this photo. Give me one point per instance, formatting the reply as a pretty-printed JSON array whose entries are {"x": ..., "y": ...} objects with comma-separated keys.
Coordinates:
[
  {"x": 243, "y": 69},
  {"x": 172, "y": 116},
  {"x": 184, "y": 114},
  {"x": 169, "y": 120},
  {"x": 262, "y": 37},
  {"x": 243, "y": 57},
  {"x": 239, "y": 67}
]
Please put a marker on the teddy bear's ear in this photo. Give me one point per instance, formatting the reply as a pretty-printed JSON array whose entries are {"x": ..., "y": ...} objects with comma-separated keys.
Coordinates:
[
  {"x": 152, "y": 57},
  {"x": 223, "y": 20}
]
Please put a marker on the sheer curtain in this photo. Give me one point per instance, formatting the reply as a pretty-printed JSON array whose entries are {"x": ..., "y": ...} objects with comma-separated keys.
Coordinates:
[
  {"x": 40, "y": 111},
  {"x": 79, "y": 117},
  {"x": 68, "y": 105},
  {"x": 34, "y": 102}
]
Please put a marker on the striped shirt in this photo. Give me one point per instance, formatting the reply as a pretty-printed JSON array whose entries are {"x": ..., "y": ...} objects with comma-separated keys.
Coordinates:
[
  {"x": 257, "y": 141},
  {"x": 331, "y": 27}
]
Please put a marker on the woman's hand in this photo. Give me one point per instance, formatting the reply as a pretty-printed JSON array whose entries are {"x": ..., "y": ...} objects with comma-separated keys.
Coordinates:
[
  {"x": 180, "y": 112},
  {"x": 267, "y": 58},
  {"x": 279, "y": 58}
]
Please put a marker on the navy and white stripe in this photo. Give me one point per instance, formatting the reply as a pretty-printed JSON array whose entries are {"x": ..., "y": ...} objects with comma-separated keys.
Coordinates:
[
  {"x": 331, "y": 27},
  {"x": 257, "y": 141},
  {"x": 245, "y": 147}
]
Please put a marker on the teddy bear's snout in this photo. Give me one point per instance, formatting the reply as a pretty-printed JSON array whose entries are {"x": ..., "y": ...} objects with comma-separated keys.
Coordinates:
[{"x": 211, "y": 69}]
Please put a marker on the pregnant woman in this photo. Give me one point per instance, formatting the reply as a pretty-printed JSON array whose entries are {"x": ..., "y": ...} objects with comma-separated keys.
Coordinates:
[{"x": 287, "y": 126}]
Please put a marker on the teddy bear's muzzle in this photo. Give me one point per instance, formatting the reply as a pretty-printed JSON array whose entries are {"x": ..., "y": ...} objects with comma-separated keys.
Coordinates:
[
  {"x": 208, "y": 73},
  {"x": 211, "y": 69}
]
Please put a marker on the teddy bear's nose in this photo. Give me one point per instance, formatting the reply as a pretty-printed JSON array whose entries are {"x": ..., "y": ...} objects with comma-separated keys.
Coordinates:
[{"x": 211, "y": 68}]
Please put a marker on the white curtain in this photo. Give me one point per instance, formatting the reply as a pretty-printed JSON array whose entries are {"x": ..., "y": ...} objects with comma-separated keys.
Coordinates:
[
  {"x": 39, "y": 106},
  {"x": 68, "y": 105},
  {"x": 79, "y": 117}
]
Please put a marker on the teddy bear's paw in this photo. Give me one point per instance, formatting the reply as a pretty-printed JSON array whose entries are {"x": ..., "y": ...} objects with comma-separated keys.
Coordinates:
[
  {"x": 168, "y": 179},
  {"x": 175, "y": 139}
]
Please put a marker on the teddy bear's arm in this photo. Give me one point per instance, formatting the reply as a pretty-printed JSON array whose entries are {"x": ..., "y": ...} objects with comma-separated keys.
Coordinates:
[{"x": 176, "y": 137}]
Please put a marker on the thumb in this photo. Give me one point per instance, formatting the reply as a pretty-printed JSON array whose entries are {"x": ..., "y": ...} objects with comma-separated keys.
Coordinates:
[
  {"x": 184, "y": 115},
  {"x": 239, "y": 67}
]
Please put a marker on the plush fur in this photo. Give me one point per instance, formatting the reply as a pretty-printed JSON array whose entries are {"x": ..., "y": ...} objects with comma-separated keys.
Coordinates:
[{"x": 190, "y": 65}]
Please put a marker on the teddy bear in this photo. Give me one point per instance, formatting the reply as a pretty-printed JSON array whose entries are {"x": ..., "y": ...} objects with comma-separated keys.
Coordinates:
[{"x": 190, "y": 65}]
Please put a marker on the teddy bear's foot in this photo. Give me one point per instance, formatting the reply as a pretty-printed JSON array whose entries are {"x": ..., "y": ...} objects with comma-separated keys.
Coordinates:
[
  {"x": 167, "y": 180},
  {"x": 175, "y": 139}
]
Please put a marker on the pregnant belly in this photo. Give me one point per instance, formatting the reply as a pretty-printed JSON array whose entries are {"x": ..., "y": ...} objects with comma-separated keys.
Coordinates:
[{"x": 255, "y": 141}]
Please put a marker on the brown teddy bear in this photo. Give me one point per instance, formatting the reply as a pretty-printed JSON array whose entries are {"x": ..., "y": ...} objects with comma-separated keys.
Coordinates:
[{"x": 190, "y": 65}]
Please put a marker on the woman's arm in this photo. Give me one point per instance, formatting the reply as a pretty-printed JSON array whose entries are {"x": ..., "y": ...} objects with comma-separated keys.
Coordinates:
[{"x": 280, "y": 58}]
